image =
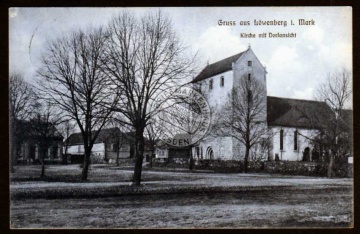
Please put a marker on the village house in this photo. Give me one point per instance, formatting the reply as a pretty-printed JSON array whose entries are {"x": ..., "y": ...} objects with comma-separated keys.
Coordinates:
[
  {"x": 111, "y": 145},
  {"x": 28, "y": 145}
]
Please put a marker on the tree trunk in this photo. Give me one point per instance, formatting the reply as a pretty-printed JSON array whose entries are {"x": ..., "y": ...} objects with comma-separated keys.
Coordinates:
[
  {"x": 118, "y": 153},
  {"x": 42, "y": 169},
  {"x": 43, "y": 165},
  {"x": 191, "y": 161},
  {"x": 65, "y": 155},
  {"x": 139, "y": 155},
  {"x": 117, "y": 159},
  {"x": 84, "y": 174},
  {"x": 331, "y": 165},
  {"x": 151, "y": 158},
  {"x": 246, "y": 159}
]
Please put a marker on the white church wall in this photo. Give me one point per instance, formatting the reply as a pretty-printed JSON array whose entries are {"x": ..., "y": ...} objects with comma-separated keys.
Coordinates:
[
  {"x": 238, "y": 149},
  {"x": 217, "y": 96},
  {"x": 220, "y": 146},
  {"x": 242, "y": 69},
  {"x": 289, "y": 153}
]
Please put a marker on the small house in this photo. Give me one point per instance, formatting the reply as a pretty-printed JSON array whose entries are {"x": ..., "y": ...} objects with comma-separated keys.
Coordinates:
[
  {"x": 30, "y": 144},
  {"x": 110, "y": 146}
]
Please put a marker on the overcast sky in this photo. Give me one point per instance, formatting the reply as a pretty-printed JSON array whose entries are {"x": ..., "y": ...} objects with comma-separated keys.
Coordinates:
[{"x": 295, "y": 65}]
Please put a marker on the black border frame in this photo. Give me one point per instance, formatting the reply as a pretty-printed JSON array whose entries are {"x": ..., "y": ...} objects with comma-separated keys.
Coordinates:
[{"x": 4, "y": 119}]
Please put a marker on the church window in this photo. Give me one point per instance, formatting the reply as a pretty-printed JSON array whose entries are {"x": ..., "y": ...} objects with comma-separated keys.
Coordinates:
[
  {"x": 211, "y": 84},
  {"x": 296, "y": 140},
  {"x": 249, "y": 77},
  {"x": 222, "y": 81},
  {"x": 281, "y": 139},
  {"x": 249, "y": 63}
]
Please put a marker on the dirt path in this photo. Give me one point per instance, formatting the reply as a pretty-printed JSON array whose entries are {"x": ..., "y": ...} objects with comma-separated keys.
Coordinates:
[
  {"x": 307, "y": 208},
  {"x": 291, "y": 201}
]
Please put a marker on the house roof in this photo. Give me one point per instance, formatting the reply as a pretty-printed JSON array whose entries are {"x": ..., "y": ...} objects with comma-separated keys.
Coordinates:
[
  {"x": 297, "y": 113},
  {"x": 105, "y": 134},
  {"x": 30, "y": 129},
  {"x": 217, "y": 68}
]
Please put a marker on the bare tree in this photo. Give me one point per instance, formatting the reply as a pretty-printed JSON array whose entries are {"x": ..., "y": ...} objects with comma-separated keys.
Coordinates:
[
  {"x": 119, "y": 144},
  {"x": 243, "y": 116},
  {"x": 153, "y": 137},
  {"x": 72, "y": 78},
  {"x": 43, "y": 127},
  {"x": 120, "y": 135},
  {"x": 67, "y": 128},
  {"x": 21, "y": 100},
  {"x": 262, "y": 150},
  {"x": 336, "y": 92},
  {"x": 144, "y": 58}
]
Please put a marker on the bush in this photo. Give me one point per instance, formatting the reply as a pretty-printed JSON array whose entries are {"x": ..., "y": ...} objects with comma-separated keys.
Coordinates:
[
  {"x": 296, "y": 168},
  {"x": 216, "y": 165},
  {"x": 97, "y": 158},
  {"x": 173, "y": 163},
  {"x": 255, "y": 166},
  {"x": 221, "y": 166},
  {"x": 126, "y": 161}
]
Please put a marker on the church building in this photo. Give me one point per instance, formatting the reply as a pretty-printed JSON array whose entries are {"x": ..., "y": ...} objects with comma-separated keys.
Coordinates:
[{"x": 293, "y": 122}]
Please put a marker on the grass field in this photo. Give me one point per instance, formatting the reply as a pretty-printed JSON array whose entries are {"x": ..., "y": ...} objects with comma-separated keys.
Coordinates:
[{"x": 292, "y": 201}]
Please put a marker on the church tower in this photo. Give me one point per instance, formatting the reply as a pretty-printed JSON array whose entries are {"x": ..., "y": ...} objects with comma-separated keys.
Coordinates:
[
  {"x": 216, "y": 81},
  {"x": 249, "y": 78}
]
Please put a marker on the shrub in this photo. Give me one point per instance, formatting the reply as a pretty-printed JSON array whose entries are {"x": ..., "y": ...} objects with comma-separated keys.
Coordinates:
[
  {"x": 222, "y": 166},
  {"x": 296, "y": 168}
]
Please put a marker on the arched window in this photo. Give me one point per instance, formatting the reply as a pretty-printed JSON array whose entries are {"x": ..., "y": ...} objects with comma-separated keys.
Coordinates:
[
  {"x": 249, "y": 77},
  {"x": 281, "y": 139},
  {"x": 296, "y": 140},
  {"x": 209, "y": 153}
]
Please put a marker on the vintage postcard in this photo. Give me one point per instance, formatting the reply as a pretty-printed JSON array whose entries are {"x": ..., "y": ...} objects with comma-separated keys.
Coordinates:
[{"x": 181, "y": 117}]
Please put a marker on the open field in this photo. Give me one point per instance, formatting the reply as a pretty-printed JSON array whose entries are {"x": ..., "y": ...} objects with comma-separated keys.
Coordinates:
[{"x": 287, "y": 201}]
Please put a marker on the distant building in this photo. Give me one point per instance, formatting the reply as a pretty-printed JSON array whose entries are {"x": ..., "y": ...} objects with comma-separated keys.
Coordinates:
[
  {"x": 110, "y": 144},
  {"x": 28, "y": 146},
  {"x": 164, "y": 152}
]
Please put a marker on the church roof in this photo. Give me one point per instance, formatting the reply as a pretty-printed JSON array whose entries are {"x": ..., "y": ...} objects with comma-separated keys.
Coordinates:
[
  {"x": 297, "y": 113},
  {"x": 217, "y": 68}
]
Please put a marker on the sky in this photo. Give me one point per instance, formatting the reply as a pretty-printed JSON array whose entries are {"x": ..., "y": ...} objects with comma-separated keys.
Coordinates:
[{"x": 295, "y": 66}]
